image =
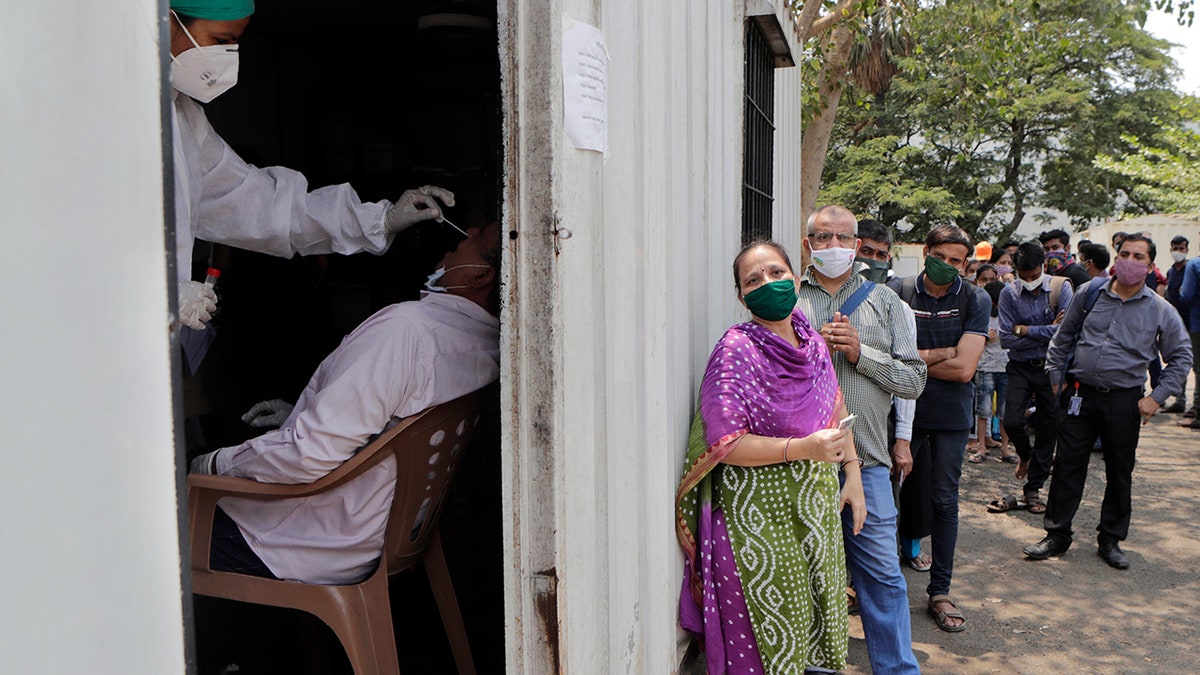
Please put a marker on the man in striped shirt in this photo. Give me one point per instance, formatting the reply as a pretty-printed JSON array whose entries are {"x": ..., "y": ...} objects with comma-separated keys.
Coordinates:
[{"x": 875, "y": 356}]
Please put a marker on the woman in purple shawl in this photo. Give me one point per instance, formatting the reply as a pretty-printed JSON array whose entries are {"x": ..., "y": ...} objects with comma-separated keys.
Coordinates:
[{"x": 757, "y": 509}]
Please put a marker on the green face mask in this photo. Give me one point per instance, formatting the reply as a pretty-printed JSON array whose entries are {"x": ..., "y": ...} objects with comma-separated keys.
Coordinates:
[
  {"x": 876, "y": 270},
  {"x": 773, "y": 301},
  {"x": 939, "y": 272}
]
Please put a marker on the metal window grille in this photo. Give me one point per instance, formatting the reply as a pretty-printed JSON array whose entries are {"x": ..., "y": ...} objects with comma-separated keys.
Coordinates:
[{"x": 759, "y": 142}]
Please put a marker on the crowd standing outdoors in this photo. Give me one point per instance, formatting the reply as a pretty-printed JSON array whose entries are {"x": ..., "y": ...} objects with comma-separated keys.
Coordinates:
[{"x": 847, "y": 375}]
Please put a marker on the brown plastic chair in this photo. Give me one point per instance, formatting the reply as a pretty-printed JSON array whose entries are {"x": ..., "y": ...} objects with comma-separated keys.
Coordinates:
[{"x": 428, "y": 448}]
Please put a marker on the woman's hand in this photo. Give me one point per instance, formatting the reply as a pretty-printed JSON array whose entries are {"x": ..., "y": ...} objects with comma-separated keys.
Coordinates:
[
  {"x": 826, "y": 445},
  {"x": 852, "y": 494}
]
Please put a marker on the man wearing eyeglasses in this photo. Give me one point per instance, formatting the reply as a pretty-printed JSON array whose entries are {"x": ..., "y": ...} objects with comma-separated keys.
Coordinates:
[{"x": 875, "y": 356}]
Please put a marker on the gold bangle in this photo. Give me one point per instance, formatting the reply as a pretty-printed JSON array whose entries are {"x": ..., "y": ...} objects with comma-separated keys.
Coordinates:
[{"x": 785, "y": 450}]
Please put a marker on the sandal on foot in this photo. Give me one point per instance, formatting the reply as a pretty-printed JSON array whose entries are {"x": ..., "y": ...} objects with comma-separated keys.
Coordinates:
[
  {"x": 921, "y": 563},
  {"x": 992, "y": 443},
  {"x": 1005, "y": 504},
  {"x": 851, "y": 601},
  {"x": 1035, "y": 504},
  {"x": 940, "y": 616},
  {"x": 1011, "y": 459},
  {"x": 977, "y": 457},
  {"x": 1022, "y": 469}
]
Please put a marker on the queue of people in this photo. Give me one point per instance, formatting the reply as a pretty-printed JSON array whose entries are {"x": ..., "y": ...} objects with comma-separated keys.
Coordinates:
[{"x": 846, "y": 374}]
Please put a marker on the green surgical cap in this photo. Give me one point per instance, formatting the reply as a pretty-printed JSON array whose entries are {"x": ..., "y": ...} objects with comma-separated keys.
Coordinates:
[{"x": 214, "y": 10}]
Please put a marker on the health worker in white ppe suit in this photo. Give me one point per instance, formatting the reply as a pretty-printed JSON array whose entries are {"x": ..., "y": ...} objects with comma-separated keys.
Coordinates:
[{"x": 222, "y": 199}]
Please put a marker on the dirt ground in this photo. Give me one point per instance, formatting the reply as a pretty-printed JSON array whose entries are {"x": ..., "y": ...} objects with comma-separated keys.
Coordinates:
[{"x": 1072, "y": 614}]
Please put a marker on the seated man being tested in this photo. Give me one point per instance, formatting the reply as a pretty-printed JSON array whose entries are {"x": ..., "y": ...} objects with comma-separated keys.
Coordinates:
[{"x": 400, "y": 361}]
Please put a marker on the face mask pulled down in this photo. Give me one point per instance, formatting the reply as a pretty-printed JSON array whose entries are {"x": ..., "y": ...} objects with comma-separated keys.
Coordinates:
[
  {"x": 431, "y": 284},
  {"x": 204, "y": 73}
]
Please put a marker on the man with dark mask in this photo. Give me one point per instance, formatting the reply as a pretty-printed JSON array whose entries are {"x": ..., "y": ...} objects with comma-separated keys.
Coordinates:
[{"x": 952, "y": 325}]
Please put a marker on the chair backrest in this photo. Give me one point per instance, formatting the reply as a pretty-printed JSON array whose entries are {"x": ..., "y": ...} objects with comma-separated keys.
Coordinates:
[{"x": 428, "y": 452}]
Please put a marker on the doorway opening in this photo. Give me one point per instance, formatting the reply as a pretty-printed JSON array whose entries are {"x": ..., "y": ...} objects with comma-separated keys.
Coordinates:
[{"x": 384, "y": 96}]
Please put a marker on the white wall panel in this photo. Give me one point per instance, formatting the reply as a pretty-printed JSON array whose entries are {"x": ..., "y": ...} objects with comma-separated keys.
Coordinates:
[
  {"x": 634, "y": 301},
  {"x": 88, "y": 511},
  {"x": 789, "y": 226}
]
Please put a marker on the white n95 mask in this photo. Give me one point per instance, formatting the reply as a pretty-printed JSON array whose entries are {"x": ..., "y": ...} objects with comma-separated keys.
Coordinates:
[
  {"x": 1032, "y": 286},
  {"x": 204, "y": 73},
  {"x": 833, "y": 262}
]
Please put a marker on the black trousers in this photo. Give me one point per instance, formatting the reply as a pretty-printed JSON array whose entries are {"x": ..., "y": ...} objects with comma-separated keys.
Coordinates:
[
  {"x": 1113, "y": 417},
  {"x": 1027, "y": 379},
  {"x": 229, "y": 551},
  {"x": 915, "y": 520}
]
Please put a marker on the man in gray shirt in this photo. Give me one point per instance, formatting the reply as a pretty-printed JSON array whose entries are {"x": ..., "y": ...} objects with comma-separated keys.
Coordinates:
[{"x": 1105, "y": 350}]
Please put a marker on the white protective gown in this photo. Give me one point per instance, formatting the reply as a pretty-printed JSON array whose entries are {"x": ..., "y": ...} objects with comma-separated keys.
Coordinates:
[
  {"x": 222, "y": 199},
  {"x": 403, "y": 359}
]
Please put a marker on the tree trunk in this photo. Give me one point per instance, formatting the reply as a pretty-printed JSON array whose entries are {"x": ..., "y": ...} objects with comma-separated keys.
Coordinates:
[{"x": 814, "y": 143}]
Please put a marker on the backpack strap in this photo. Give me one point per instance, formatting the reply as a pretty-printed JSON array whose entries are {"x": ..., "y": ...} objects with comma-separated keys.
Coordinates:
[
  {"x": 1091, "y": 293},
  {"x": 965, "y": 296},
  {"x": 908, "y": 288},
  {"x": 857, "y": 298},
  {"x": 1056, "y": 286}
]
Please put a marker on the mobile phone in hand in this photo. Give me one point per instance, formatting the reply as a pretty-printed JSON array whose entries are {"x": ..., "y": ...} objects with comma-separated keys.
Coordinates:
[{"x": 847, "y": 422}]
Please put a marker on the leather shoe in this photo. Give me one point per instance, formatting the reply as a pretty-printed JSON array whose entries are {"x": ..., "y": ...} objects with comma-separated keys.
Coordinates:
[
  {"x": 1046, "y": 548},
  {"x": 1113, "y": 555},
  {"x": 1191, "y": 412},
  {"x": 1176, "y": 407}
]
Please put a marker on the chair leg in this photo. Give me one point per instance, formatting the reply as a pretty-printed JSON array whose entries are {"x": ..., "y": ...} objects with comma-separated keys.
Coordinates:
[
  {"x": 447, "y": 602},
  {"x": 363, "y": 624}
]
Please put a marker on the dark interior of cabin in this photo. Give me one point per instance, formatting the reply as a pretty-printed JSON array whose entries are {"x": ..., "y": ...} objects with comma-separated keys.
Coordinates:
[{"x": 386, "y": 96}]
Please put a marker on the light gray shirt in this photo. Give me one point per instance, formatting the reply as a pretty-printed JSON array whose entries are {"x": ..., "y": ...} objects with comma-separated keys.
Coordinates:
[
  {"x": 1116, "y": 342},
  {"x": 888, "y": 362}
]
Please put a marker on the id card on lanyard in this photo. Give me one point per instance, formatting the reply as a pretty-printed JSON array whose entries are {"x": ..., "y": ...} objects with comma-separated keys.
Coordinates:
[{"x": 1074, "y": 403}]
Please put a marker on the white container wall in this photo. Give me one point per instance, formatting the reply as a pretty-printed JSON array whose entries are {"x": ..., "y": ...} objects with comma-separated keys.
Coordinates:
[
  {"x": 88, "y": 510},
  {"x": 607, "y": 331}
]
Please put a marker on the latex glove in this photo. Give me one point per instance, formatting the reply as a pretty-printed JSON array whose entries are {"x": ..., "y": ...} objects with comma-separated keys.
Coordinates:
[
  {"x": 197, "y": 302},
  {"x": 415, "y": 206},
  {"x": 268, "y": 414}
]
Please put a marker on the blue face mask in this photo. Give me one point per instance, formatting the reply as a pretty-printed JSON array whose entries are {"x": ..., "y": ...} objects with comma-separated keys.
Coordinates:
[{"x": 773, "y": 301}]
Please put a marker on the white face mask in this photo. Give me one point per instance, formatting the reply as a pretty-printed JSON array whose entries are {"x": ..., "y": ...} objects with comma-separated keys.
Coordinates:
[
  {"x": 431, "y": 284},
  {"x": 833, "y": 262},
  {"x": 1033, "y": 285},
  {"x": 204, "y": 73},
  {"x": 1178, "y": 256}
]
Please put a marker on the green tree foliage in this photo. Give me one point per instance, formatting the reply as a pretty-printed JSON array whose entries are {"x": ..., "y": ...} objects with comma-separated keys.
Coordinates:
[
  {"x": 1000, "y": 110},
  {"x": 1164, "y": 172}
]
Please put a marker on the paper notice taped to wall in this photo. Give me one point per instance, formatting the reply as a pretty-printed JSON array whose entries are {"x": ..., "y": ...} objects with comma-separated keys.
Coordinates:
[{"x": 585, "y": 86}]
